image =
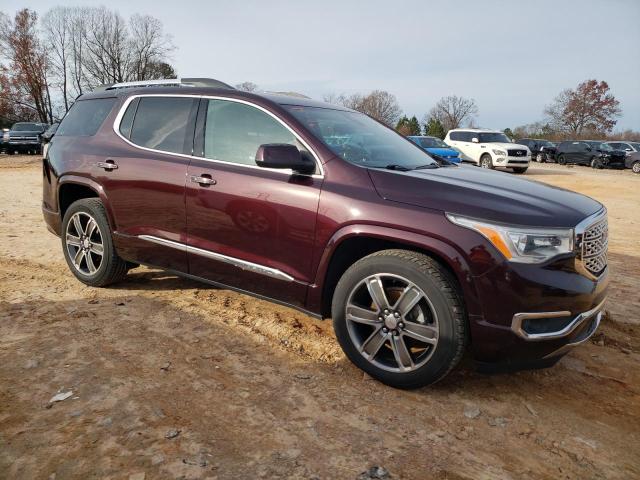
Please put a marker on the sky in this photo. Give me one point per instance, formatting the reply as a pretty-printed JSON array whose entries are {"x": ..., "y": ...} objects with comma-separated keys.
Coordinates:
[{"x": 512, "y": 57}]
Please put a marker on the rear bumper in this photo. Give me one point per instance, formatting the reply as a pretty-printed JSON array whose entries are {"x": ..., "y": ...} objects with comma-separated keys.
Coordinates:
[{"x": 52, "y": 220}]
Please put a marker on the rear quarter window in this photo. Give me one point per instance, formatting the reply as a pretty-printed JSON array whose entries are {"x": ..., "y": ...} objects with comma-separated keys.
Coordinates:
[
  {"x": 161, "y": 123},
  {"x": 85, "y": 117}
]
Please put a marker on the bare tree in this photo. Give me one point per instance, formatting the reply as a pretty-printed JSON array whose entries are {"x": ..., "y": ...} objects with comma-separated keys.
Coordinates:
[
  {"x": 588, "y": 108},
  {"x": 452, "y": 111},
  {"x": 149, "y": 46},
  {"x": 247, "y": 86},
  {"x": 28, "y": 64},
  {"x": 57, "y": 25},
  {"x": 379, "y": 104}
]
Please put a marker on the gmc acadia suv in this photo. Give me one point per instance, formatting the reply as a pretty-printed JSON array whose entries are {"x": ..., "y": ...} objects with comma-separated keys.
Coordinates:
[{"x": 324, "y": 209}]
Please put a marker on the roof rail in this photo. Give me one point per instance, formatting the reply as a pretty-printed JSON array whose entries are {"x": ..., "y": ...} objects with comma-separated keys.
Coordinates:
[{"x": 168, "y": 82}]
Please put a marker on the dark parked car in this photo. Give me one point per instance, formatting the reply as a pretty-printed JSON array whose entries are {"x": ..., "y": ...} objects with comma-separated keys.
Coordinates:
[
  {"x": 589, "y": 152},
  {"x": 325, "y": 210},
  {"x": 541, "y": 150},
  {"x": 632, "y": 154},
  {"x": 25, "y": 137}
]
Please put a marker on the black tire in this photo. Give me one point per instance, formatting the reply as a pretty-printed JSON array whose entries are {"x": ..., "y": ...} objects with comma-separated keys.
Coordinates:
[
  {"x": 9, "y": 152},
  {"x": 446, "y": 302},
  {"x": 486, "y": 161},
  {"x": 112, "y": 268},
  {"x": 520, "y": 170},
  {"x": 596, "y": 163},
  {"x": 540, "y": 158},
  {"x": 635, "y": 167},
  {"x": 562, "y": 160}
]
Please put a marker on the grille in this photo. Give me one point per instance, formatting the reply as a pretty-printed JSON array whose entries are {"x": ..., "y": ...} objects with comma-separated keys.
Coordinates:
[
  {"x": 517, "y": 153},
  {"x": 594, "y": 247}
]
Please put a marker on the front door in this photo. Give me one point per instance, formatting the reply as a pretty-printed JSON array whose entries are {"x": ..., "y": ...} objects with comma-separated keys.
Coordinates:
[
  {"x": 144, "y": 179},
  {"x": 249, "y": 227}
]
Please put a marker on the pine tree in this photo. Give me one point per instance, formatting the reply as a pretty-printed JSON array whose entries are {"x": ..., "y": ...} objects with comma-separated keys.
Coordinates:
[{"x": 434, "y": 128}]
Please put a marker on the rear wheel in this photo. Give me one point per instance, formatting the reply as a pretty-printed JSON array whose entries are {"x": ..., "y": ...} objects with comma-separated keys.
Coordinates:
[
  {"x": 519, "y": 170},
  {"x": 540, "y": 158},
  {"x": 88, "y": 246},
  {"x": 398, "y": 316},
  {"x": 486, "y": 162},
  {"x": 635, "y": 168}
]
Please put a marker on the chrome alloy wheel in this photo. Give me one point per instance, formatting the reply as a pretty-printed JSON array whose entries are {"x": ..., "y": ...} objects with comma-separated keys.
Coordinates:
[
  {"x": 83, "y": 240},
  {"x": 392, "y": 323}
]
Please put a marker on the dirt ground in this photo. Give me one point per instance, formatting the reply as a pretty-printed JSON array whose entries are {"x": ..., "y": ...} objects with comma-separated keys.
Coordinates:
[{"x": 246, "y": 389}]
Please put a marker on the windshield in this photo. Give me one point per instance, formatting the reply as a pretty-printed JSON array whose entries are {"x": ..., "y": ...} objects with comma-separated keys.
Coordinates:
[
  {"x": 26, "y": 127},
  {"x": 545, "y": 143},
  {"x": 432, "y": 142},
  {"x": 636, "y": 146},
  {"x": 493, "y": 137},
  {"x": 359, "y": 139},
  {"x": 599, "y": 146}
]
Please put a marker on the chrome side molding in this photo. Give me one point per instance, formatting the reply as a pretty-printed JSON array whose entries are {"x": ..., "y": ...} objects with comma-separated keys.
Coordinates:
[
  {"x": 242, "y": 264},
  {"x": 518, "y": 318}
]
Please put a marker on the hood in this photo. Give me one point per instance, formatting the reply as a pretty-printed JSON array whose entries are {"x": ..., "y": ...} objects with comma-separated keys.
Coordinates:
[
  {"x": 485, "y": 194},
  {"x": 506, "y": 146},
  {"x": 443, "y": 152}
]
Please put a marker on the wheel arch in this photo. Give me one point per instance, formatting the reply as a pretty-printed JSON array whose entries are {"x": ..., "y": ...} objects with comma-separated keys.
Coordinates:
[
  {"x": 72, "y": 188},
  {"x": 354, "y": 242}
]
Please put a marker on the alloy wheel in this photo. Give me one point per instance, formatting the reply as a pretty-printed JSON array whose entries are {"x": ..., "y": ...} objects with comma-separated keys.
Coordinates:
[
  {"x": 392, "y": 323},
  {"x": 83, "y": 241},
  {"x": 636, "y": 167}
]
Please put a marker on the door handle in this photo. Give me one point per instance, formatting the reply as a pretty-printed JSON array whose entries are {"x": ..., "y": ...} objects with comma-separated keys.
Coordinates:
[
  {"x": 203, "y": 180},
  {"x": 107, "y": 165}
]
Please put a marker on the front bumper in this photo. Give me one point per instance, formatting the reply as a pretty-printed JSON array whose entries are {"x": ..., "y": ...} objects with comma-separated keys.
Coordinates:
[
  {"x": 521, "y": 162},
  {"x": 533, "y": 315}
]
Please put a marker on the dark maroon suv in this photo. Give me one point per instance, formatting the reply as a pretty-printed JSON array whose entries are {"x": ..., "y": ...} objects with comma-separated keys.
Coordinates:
[{"x": 325, "y": 210}]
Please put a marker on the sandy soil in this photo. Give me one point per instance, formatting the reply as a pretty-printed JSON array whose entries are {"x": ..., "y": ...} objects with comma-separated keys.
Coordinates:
[{"x": 247, "y": 389}]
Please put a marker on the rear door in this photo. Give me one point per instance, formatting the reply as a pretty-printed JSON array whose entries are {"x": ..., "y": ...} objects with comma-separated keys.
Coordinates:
[
  {"x": 249, "y": 227},
  {"x": 144, "y": 178}
]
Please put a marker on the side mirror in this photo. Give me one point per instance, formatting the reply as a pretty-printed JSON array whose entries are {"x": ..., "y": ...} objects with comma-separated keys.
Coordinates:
[
  {"x": 283, "y": 155},
  {"x": 475, "y": 140}
]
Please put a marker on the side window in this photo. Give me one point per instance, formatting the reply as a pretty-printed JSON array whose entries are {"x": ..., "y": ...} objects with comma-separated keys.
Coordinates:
[
  {"x": 85, "y": 117},
  {"x": 234, "y": 131},
  {"x": 467, "y": 136},
  {"x": 161, "y": 123},
  {"x": 456, "y": 136}
]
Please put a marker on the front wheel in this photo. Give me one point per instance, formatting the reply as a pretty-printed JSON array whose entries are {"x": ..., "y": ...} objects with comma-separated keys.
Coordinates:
[
  {"x": 486, "y": 162},
  {"x": 88, "y": 246},
  {"x": 635, "y": 168},
  {"x": 540, "y": 158},
  {"x": 596, "y": 163},
  {"x": 398, "y": 315},
  {"x": 562, "y": 160},
  {"x": 519, "y": 170}
]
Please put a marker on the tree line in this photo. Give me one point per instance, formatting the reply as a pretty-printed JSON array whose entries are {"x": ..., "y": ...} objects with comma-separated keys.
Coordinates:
[{"x": 45, "y": 63}]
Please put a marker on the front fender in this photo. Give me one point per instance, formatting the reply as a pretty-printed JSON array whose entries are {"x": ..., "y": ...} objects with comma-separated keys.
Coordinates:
[{"x": 452, "y": 257}]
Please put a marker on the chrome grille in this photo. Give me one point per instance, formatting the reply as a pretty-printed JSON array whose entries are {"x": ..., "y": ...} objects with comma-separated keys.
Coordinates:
[{"x": 594, "y": 247}]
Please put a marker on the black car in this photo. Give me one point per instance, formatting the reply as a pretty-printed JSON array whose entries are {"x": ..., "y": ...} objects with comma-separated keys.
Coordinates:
[
  {"x": 589, "y": 152},
  {"x": 541, "y": 150},
  {"x": 632, "y": 153},
  {"x": 25, "y": 137}
]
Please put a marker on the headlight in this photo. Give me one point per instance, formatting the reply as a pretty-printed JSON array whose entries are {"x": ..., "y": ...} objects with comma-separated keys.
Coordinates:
[
  {"x": 521, "y": 244},
  {"x": 499, "y": 153}
]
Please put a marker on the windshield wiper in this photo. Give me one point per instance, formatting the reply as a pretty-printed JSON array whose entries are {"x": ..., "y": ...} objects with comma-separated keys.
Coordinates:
[
  {"x": 427, "y": 166},
  {"x": 395, "y": 166}
]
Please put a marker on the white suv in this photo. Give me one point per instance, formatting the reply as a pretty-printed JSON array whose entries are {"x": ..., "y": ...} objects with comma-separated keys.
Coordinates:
[{"x": 489, "y": 149}]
